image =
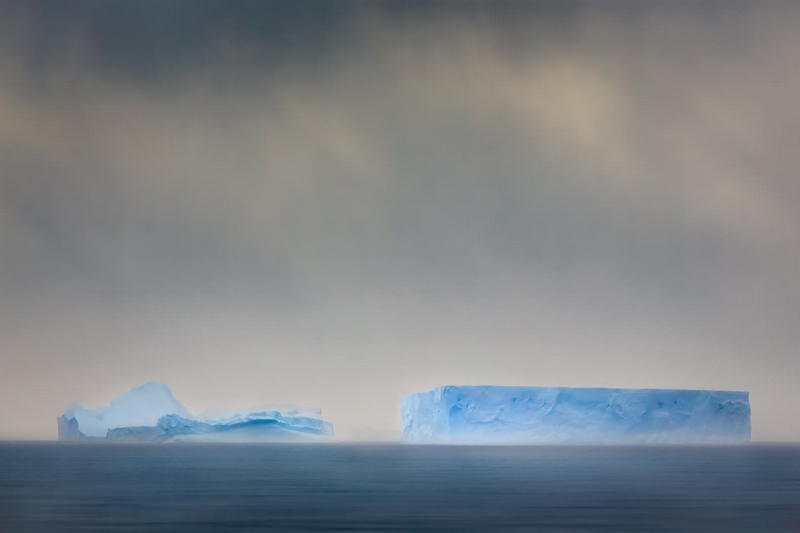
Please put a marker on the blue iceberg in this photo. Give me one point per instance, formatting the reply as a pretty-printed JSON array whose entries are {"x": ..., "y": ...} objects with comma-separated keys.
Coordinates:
[
  {"x": 530, "y": 415},
  {"x": 151, "y": 413}
]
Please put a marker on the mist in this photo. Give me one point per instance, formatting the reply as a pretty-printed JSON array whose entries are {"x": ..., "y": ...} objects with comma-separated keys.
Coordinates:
[{"x": 334, "y": 205}]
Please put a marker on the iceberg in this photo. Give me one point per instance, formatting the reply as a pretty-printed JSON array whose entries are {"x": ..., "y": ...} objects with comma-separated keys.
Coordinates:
[
  {"x": 561, "y": 415},
  {"x": 150, "y": 413},
  {"x": 142, "y": 406}
]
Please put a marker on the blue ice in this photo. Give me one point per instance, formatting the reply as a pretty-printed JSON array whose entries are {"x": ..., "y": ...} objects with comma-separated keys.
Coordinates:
[
  {"x": 519, "y": 415},
  {"x": 151, "y": 413}
]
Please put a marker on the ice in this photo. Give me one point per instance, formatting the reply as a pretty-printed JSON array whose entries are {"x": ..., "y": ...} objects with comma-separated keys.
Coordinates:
[
  {"x": 250, "y": 427},
  {"x": 509, "y": 415},
  {"x": 142, "y": 406},
  {"x": 151, "y": 413}
]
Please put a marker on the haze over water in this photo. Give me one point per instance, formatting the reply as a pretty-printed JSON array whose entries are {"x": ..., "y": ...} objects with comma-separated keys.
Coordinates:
[{"x": 334, "y": 204}]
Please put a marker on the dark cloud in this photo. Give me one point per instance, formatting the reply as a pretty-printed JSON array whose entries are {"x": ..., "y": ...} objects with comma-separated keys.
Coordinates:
[{"x": 340, "y": 203}]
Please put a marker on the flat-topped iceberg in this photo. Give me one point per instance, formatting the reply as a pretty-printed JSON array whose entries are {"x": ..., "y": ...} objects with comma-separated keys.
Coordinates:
[
  {"x": 520, "y": 415},
  {"x": 151, "y": 413}
]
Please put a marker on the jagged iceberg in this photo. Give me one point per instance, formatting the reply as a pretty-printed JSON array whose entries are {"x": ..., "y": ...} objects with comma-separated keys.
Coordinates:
[
  {"x": 520, "y": 415},
  {"x": 150, "y": 413}
]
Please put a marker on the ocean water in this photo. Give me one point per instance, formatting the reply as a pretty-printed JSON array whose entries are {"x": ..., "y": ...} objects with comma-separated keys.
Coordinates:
[{"x": 338, "y": 487}]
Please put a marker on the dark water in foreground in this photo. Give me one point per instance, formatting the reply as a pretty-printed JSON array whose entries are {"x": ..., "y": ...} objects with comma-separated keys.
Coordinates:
[{"x": 51, "y": 487}]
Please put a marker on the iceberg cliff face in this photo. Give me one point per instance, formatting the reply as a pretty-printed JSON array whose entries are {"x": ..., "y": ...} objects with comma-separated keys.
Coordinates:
[
  {"x": 519, "y": 415},
  {"x": 151, "y": 413}
]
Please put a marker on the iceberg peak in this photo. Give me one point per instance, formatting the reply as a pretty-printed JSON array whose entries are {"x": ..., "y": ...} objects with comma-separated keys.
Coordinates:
[{"x": 141, "y": 406}]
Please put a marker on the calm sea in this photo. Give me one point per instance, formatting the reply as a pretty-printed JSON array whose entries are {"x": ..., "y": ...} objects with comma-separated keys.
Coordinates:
[{"x": 62, "y": 487}]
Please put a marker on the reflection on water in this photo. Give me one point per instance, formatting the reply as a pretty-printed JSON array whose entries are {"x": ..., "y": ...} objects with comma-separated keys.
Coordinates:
[{"x": 62, "y": 487}]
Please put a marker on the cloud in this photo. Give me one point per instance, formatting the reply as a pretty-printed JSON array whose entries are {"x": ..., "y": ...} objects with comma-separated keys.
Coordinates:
[{"x": 562, "y": 187}]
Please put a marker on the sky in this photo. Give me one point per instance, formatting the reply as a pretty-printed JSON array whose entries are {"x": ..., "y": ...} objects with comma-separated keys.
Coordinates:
[{"x": 334, "y": 204}]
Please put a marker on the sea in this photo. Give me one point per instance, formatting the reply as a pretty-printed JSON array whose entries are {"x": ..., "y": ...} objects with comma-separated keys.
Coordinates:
[{"x": 53, "y": 487}]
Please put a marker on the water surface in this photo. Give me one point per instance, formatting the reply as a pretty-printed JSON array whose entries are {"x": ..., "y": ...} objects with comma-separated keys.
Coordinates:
[{"x": 338, "y": 487}]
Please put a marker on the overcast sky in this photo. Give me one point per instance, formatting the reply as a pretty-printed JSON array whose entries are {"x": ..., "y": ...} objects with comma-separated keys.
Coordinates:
[{"x": 334, "y": 204}]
